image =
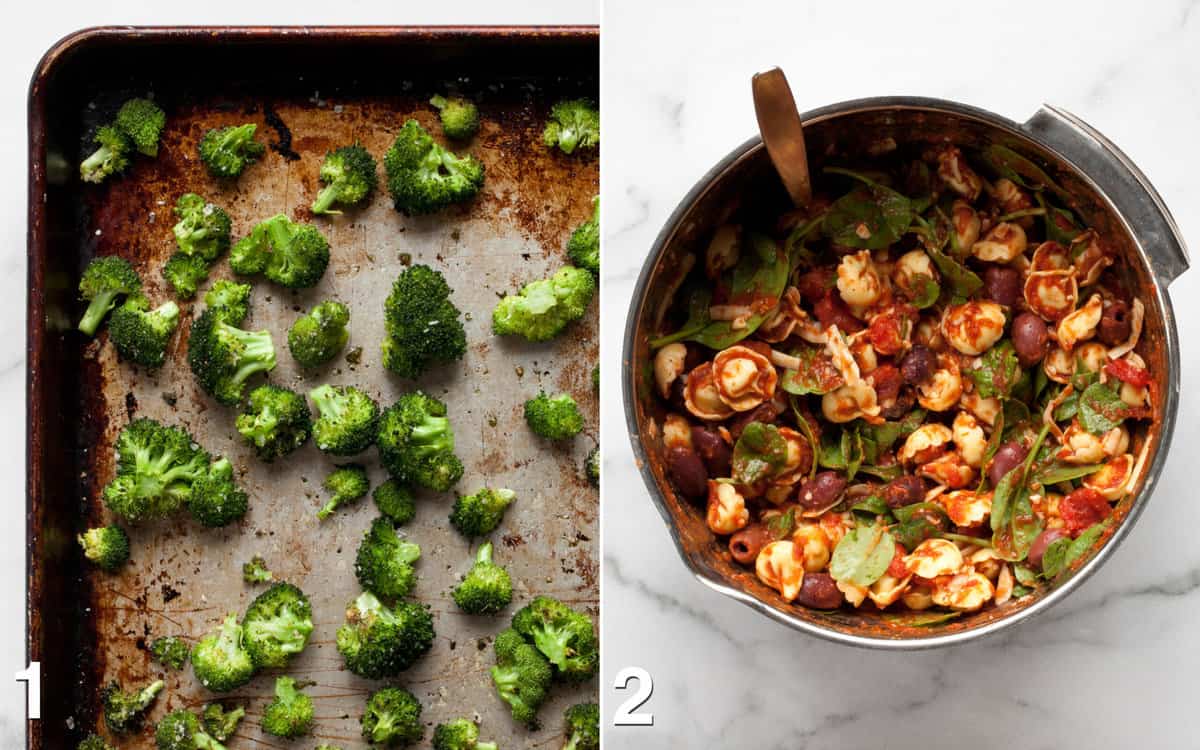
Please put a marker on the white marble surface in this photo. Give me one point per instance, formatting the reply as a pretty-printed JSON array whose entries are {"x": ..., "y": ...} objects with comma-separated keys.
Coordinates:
[
  {"x": 1112, "y": 667},
  {"x": 22, "y": 42}
]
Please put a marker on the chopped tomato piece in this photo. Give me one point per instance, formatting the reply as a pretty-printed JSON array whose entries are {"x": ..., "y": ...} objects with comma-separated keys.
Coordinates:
[
  {"x": 832, "y": 310},
  {"x": 1083, "y": 508},
  {"x": 897, "y": 568},
  {"x": 1128, "y": 372}
]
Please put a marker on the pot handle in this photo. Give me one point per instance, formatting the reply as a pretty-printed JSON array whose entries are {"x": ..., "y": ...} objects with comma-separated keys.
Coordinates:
[{"x": 1124, "y": 184}]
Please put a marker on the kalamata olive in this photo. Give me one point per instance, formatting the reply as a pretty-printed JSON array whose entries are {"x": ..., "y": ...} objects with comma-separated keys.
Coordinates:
[
  {"x": 822, "y": 491},
  {"x": 1114, "y": 325},
  {"x": 687, "y": 472},
  {"x": 904, "y": 490},
  {"x": 1038, "y": 549},
  {"x": 819, "y": 591},
  {"x": 887, "y": 381},
  {"x": 832, "y": 310},
  {"x": 1003, "y": 284},
  {"x": 918, "y": 365},
  {"x": 813, "y": 284},
  {"x": 747, "y": 543},
  {"x": 1007, "y": 458},
  {"x": 767, "y": 412},
  {"x": 713, "y": 450},
  {"x": 905, "y": 400},
  {"x": 1030, "y": 338}
]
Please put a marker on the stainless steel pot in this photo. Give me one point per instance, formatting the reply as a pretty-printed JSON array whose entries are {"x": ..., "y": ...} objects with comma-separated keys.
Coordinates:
[{"x": 1107, "y": 191}]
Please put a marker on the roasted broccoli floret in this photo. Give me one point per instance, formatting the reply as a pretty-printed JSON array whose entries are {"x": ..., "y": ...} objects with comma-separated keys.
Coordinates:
[
  {"x": 112, "y": 156},
  {"x": 479, "y": 514},
  {"x": 563, "y": 635},
  {"x": 574, "y": 123},
  {"x": 142, "y": 120},
  {"x": 345, "y": 484},
  {"x": 591, "y": 467},
  {"x": 223, "y": 356},
  {"x": 219, "y": 723},
  {"x": 416, "y": 443},
  {"x": 216, "y": 500},
  {"x": 290, "y": 714},
  {"x": 276, "y": 421},
  {"x": 106, "y": 546},
  {"x": 487, "y": 589},
  {"x": 123, "y": 711},
  {"x": 392, "y": 718},
  {"x": 460, "y": 116},
  {"x": 228, "y": 151},
  {"x": 139, "y": 334},
  {"x": 384, "y": 564},
  {"x": 181, "y": 730},
  {"x": 582, "y": 727},
  {"x": 348, "y": 419},
  {"x": 290, "y": 254},
  {"x": 459, "y": 734},
  {"x": 203, "y": 229},
  {"x": 584, "y": 246},
  {"x": 94, "y": 742},
  {"x": 170, "y": 651},
  {"x": 220, "y": 660},
  {"x": 256, "y": 571},
  {"x": 423, "y": 177},
  {"x": 544, "y": 308},
  {"x": 185, "y": 274},
  {"x": 379, "y": 641},
  {"x": 423, "y": 326},
  {"x": 395, "y": 501},
  {"x": 317, "y": 337},
  {"x": 156, "y": 469},
  {"x": 349, "y": 177},
  {"x": 522, "y": 676},
  {"x": 553, "y": 417},
  {"x": 278, "y": 624},
  {"x": 229, "y": 300},
  {"x": 105, "y": 281}
]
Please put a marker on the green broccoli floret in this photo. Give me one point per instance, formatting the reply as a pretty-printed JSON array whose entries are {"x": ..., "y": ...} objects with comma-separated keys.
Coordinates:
[
  {"x": 103, "y": 282},
  {"x": 256, "y": 571},
  {"x": 219, "y": 723},
  {"x": 574, "y": 123},
  {"x": 185, "y": 274},
  {"x": 170, "y": 651},
  {"x": 563, "y": 635},
  {"x": 584, "y": 246},
  {"x": 106, "y": 546},
  {"x": 290, "y": 714},
  {"x": 553, "y": 417},
  {"x": 203, "y": 229},
  {"x": 349, "y": 177},
  {"x": 278, "y": 624},
  {"x": 487, "y": 589},
  {"x": 384, "y": 564},
  {"x": 459, "y": 734},
  {"x": 220, "y": 660},
  {"x": 522, "y": 676},
  {"x": 142, "y": 120},
  {"x": 112, "y": 156},
  {"x": 582, "y": 727},
  {"x": 228, "y": 151},
  {"x": 223, "y": 356},
  {"x": 460, "y": 116},
  {"x": 316, "y": 338},
  {"x": 346, "y": 483},
  {"x": 591, "y": 467},
  {"x": 423, "y": 177},
  {"x": 181, "y": 730},
  {"x": 416, "y": 443},
  {"x": 377, "y": 641},
  {"x": 479, "y": 514},
  {"x": 123, "y": 711},
  {"x": 423, "y": 326},
  {"x": 216, "y": 500},
  {"x": 94, "y": 742},
  {"x": 544, "y": 308},
  {"x": 348, "y": 419},
  {"x": 290, "y": 254},
  {"x": 395, "y": 501},
  {"x": 276, "y": 421},
  {"x": 139, "y": 334},
  {"x": 229, "y": 300},
  {"x": 392, "y": 718},
  {"x": 156, "y": 469}
]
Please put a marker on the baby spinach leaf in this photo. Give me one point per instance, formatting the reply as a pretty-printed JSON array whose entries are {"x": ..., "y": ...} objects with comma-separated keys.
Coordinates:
[
  {"x": 926, "y": 291},
  {"x": 998, "y": 371},
  {"x": 699, "y": 300},
  {"x": 989, "y": 450},
  {"x": 758, "y": 453},
  {"x": 833, "y": 450},
  {"x": 1020, "y": 590},
  {"x": 1055, "y": 473},
  {"x": 1060, "y": 223},
  {"x": 871, "y": 216},
  {"x": 862, "y": 556},
  {"x": 1054, "y": 556},
  {"x": 1067, "y": 408},
  {"x": 1017, "y": 419},
  {"x": 1025, "y": 575},
  {"x": 886, "y": 434},
  {"x": 1062, "y": 553},
  {"x": 758, "y": 281},
  {"x": 1013, "y": 540},
  {"x": 917, "y": 523},
  {"x": 782, "y": 525},
  {"x": 794, "y": 245},
  {"x": 817, "y": 373},
  {"x": 805, "y": 428},
  {"x": 1008, "y": 495},
  {"x": 963, "y": 281},
  {"x": 872, "y": 505},
  {"x": 886, "y": 473},
  {"x": 1010, "y": 164},
  {"x": 1101, "y": 409}
]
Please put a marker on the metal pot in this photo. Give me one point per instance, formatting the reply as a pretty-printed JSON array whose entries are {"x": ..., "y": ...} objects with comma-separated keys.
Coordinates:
[{"x": 1108, "y": 192}]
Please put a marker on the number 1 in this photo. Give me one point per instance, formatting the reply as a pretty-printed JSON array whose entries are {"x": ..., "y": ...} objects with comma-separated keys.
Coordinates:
[{"x": 32, "y": 677}]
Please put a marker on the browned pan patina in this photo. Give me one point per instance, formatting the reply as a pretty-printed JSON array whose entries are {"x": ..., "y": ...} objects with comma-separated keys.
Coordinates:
[{"x": 309, "y": 90}]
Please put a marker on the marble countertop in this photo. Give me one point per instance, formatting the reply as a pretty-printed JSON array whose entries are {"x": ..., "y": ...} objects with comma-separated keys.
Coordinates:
[{"x": 1111, "y": 667}]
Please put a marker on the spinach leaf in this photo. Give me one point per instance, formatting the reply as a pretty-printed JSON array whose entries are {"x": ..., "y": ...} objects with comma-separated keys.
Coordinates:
[
  {"x": 862, "y": 556},
  {"x": 758, "y": 281},
  {"x": 1017, "y": 419},
  {"x": 1064, "y": 552},
  {"x": 805, "y": 428},
  {"x": 1014, "y": 524},
  {"x": 853, "y": 451},
  {"x": 989, "y": 450},
  {"x": 918, "y": 522},
  {"x": 1010, "y": 164},
  {"x": 886, "y": 473},
  {"x": 1060, "y": 223},
  {"x": 1101, "y": 409},
  {"x": 885, "y": 435},
  {"x": 963, "y": 281},
  {"x": 699, "y": 300},
  {"x": 998, "y": 371},
  {"x": 927, "y": 291},
  {"x": 782, "y": 525},
  {"x": 1040, "y": 381},
  {"x": 1055, "y": 473},
  {"x": 872, "y": 505},
  {"x": 817, "y": 373},
  {"x": 871, "y": 216},
  {"x": 1067, "y": 408},
  {"x": 759, "y": 452},
  {"x": 1025, "y": 575},
  {"x": 1020, "y": 590},
  {"x": 794, "y": 244},
  {"x": 833, "y": 450}
]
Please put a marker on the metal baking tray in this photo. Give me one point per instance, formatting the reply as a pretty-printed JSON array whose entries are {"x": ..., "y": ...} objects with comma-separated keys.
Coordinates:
[{"x": 310, "y": 89}]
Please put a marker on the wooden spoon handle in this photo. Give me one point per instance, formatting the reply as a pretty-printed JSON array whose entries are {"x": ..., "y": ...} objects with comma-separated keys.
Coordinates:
[{"x": 779, "y": 124}]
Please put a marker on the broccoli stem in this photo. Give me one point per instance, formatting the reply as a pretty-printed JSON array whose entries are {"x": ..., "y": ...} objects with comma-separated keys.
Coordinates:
[
  {"x": 258, "y": 354},
  {"x": 485, "y": 554},
  {"x": 96, "y": 160},
  {"x": 280, "y": 231},
  {"x": 326, "y": 198},
  {"x": 100, "y": 306}
]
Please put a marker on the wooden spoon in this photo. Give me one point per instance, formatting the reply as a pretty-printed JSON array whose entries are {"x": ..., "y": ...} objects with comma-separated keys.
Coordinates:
[{"x": 779, "y": 124}]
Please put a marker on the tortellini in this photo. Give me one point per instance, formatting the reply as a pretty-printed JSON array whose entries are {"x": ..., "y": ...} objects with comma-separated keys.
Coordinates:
[{"x": 973, "y": 327}]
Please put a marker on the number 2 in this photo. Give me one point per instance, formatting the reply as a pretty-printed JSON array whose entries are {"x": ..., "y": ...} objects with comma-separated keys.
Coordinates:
[{"x": 625, "y": 712}]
